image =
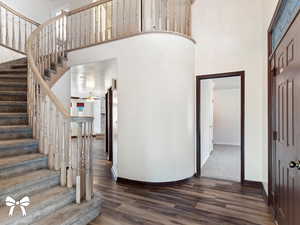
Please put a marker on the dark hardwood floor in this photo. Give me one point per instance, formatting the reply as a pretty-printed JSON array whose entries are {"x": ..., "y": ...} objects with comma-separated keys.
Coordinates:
[{"x": 198, "y": 201}]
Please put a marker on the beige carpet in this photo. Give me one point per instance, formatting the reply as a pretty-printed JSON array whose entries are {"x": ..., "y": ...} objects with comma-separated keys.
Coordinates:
[{"x": 223, "y": 163}]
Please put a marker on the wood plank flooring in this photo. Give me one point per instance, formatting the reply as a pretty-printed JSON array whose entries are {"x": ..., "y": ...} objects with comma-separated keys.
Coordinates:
[{"x": 199, "y": 201}]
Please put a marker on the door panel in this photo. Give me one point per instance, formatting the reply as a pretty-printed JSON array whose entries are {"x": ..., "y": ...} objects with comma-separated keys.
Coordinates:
[
  {"x": 286, "y": 146},
  {"x": 287, "y": 86},
  {"x": 287, "y": 117}
]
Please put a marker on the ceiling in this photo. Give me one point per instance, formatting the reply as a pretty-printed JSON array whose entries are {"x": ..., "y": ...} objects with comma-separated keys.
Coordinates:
[
  {"x": 227, "y": 83},
  {"x": 90, "y": 79}
]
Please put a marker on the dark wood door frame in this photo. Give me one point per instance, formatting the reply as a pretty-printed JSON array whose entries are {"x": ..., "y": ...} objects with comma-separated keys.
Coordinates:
[
  {"x": 199, "y": 78},
  {"x": 109, "y": 124},
  {"x": 106, "y": 123}
]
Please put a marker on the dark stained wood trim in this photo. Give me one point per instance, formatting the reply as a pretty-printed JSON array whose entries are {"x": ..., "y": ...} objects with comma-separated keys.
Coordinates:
[
  {"x": 142, "y": 17},
  {"x": 258, "y": 185},
  {"x": 270, "y": 133},
  {"x": 240, "y": 74},
  {"x": 270, "y": 108},
  {"x": 121, "y": 180},
  {"x": 270, "y": 81},
  {"x": 243, "y": 97},
  {"x": 198, "y": 128},
  {"x": 271, "y": 74},
  {"x": 255, "y": 184},
  {"x": 106, "y": 123},
  {"x": 274, "y": 17},
  {"x": 79, "y": 98},
  {"x": 94, "y": 135},
  {"x": 273, "y": 21},
  {"x": 109, "y": 123},
  {"x": 265, "y": 195}
]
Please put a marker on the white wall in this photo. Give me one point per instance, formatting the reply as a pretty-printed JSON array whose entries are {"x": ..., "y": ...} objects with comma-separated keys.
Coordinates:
[
  {"x": 8, "y": 55},
  {"x": 206, "y": 113},
  {"x": 37, "y": 10},
  {"x": 62, "y": 90},
  {"x": 231, "y": 36},
  {"x": 227, "y": 116},
  {"x": 156, "y": 104}
]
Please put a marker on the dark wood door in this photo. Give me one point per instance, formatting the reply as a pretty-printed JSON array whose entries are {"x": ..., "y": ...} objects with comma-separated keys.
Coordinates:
[{"x": 287, "y": 79}]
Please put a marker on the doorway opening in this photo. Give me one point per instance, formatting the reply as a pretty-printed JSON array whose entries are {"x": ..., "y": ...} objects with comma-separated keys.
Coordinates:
[
  {"x": 220, "y": 117},
  {"x": 94, "y": 94}
]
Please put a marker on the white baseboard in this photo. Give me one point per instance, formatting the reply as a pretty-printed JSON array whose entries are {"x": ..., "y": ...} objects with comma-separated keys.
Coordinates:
[
  {"x": 227, "y": 143},
  {"x": 265, "y": 186},
  {"x": 114, "y": 173},
  {"x": 205, "y": 159}
]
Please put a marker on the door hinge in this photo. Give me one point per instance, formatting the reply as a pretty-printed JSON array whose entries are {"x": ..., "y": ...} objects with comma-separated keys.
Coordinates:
[
  {"x": 274, "y": 71},
  {"x": 275, "y": 135}
]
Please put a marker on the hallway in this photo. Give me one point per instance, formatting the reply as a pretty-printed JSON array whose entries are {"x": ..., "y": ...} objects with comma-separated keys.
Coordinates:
[
  {"x": 198, "y": 201},
  {"x": 223, "y": 163}
]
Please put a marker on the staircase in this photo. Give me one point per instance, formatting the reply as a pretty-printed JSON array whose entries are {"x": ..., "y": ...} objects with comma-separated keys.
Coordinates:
[{"x": 24, "y": 171}]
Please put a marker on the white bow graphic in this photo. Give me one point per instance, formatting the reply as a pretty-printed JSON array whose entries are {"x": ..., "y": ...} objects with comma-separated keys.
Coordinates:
[{"x": 24, "y": 202}]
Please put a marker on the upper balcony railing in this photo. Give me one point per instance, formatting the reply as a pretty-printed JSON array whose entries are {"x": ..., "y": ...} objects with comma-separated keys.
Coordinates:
[
  {"x": 107, "y": 20},
  {"x": 14, "y": 29}
]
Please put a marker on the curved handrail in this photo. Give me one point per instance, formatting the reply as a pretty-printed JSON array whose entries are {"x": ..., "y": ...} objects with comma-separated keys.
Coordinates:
[
  {"x": 36, "y": 71},
  {"x": 50, "y": 119},
  {"x": 46, "y": 49},
  {"x": 67, "y": 34},
  {"x": 88, "y": 6},
  {"x": 110, "y": 20}
]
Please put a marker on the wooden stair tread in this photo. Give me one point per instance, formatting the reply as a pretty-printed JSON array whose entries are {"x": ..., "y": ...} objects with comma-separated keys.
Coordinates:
[
  {"x": 6, "y": 183},
  {"x": 7, "y": 143},
  {"x": 20, "y": 146},
  {"x": 18, "y": 65},
  {"x": 13, "y": 103},
  {"x": 14, "y": 132},
  {"x": 13, "y": 118},
  {"x": 9, "y": 75},
  {"x": 7, "y": 127},
  {"x": 13, "y": 114},
  {"x": 13, "y": 92},
  {"x": 79, "y": 213},
  {"x": 11, "y": 70},
  {"x": 38, "y": 201},
  {"x": 13, "y": 83},
  {"x": 15, "y": 61},
  {"x": 13, "y": 160}
]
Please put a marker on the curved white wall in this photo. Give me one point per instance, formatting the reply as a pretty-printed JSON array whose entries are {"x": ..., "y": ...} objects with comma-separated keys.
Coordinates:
[{"x": 156, "y": 139}]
